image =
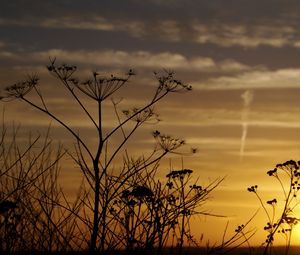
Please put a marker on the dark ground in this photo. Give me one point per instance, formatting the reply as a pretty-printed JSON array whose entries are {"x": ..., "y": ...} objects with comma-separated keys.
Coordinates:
[{"x": 295, "y": 250}]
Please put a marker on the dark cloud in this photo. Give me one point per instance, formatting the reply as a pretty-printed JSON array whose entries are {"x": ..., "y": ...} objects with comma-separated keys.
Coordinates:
[
  {"x": 205, "y": 10},
  {"x": 152, "y": 25}
]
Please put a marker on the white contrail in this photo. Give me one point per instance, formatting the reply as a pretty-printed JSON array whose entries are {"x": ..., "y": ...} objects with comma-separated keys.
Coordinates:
[{"x": 247, "y": 97}]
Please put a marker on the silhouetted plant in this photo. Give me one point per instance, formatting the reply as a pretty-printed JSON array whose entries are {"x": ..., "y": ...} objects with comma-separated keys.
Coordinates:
[
  {"x": 30, "y": 219},
  {"x": 158, "y": 213},
  {"x": 280, "y": 218},
  {"x": 103, "y": 184},
  {"x": 241, "y": 235}
]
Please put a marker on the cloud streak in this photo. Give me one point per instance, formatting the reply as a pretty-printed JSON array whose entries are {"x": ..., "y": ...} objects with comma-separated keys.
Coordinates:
[
  {"x": 249, "y": 36},
  {"x": 255, "y": 79},
  {"x": 126, "y": 59},
  {"x": 247, "y": 97},
  {"x": 222, "y": 34}
]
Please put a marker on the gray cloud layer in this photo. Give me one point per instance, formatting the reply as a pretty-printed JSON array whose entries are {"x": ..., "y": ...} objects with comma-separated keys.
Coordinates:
[{"x": 227, "y": 24}]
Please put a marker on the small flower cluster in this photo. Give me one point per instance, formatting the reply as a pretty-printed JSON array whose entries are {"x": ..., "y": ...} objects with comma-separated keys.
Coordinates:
[
  {"x": 284, "y": 230},
  {"x": 240, "y": 228},
  {"x": 141, "y": 116},
  {"x": 102, "y": 87},
  {"x": 291, "y": 167},
  {"x": 270, "y": 239},
  {"x": 270, "y": 226},
  {"x": 141, "y": 191},
  {"x": 63, "y": 71},
  {"x": 20, "y": 89},
  {"x": 179, "y": 173},
  {"x": 272, "y": 172},
  {"x": 138, "y": 193},
  {"x": 97, "y": 88},
  {"x": 291, "y": 164},
  {"x": 296, "y": 185},
  {"x": 272, "y": 202},
  {"x": 196, "y": 187},
  {"x": 167, "y": 143},
  {"x": 290, "y": 220},
  {"x": 172, "y": 199},
  {"x": 170, "y": 84},
  {"x": 170, "y": 185},
  {"x": 253, "y": 188}
]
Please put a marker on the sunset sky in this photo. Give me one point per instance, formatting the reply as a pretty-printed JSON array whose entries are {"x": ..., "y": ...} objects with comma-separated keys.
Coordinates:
[{"x": 241, "y": 57}]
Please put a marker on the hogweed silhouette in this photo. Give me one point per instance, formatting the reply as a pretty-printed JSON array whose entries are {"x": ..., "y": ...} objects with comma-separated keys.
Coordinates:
[
  {"x": 133, "y": 190},
  {"x": 281, "y": 220}
]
